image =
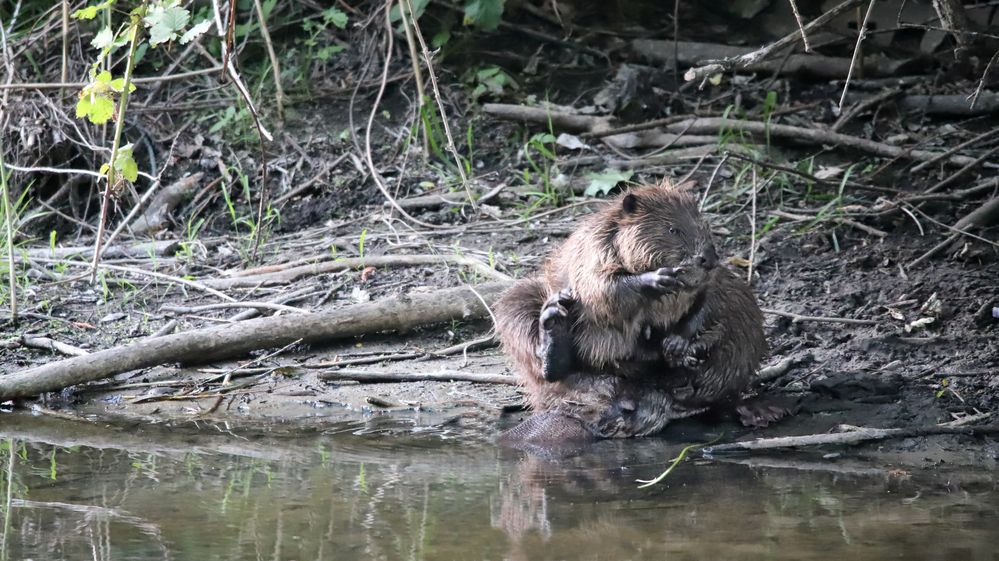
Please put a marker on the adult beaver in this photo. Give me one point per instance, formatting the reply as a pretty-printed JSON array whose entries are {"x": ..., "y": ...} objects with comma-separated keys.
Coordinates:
[{"x": 633, "y": 324}]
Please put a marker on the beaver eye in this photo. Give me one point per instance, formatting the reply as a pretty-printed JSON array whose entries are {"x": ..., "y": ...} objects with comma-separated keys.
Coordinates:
[{"x": 672, "y": 230}]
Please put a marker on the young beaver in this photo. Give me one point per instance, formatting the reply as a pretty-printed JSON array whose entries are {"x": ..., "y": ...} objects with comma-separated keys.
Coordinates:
[{"x": 633, "y": 324}]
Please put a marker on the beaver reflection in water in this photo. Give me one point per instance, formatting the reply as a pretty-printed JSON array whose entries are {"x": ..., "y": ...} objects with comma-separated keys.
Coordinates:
[{"x": 633, "y": 324}]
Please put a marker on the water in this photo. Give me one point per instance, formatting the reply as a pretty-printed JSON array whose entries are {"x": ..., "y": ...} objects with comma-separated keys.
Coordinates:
[{"x": 91, "y": 492}]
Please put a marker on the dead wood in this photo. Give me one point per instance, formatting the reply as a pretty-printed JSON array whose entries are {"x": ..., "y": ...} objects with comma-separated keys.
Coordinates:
[
  {"x": 701, "y": 73},
  {"x": 368, "y": 377},
  {"x": 142, "y": 250},
  {"x": 690, "y": 53},
  {"x": 559, "y": 120},
  {"x": 985, "y": 214},
  {"x": 951, "y": 105},
  {"x": 810, "y": 136},
  {"x": 852, "y": 435},
  {"x": 156, "y": 214},
  {"x": 212, "y": 343},
  {"x": 286, "y": 276}
]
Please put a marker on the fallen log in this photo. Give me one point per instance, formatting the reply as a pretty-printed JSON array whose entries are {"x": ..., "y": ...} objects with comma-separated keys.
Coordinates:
[
  {"x": 230, "y": 340},
  {"x": 690, "y": 53}
]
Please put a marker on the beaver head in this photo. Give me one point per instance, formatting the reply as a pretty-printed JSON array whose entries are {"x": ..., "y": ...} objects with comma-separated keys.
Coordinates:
[{"x": 660, "y": 226}]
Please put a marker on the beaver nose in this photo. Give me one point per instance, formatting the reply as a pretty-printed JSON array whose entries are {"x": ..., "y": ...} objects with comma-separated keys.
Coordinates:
[{"x": 707, "y": 258}]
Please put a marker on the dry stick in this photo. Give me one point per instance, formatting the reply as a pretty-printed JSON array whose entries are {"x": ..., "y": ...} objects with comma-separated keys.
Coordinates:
[
  {"x": 801, "y": 26},
  {"x": 853, "y": 435},
  {"x": 864, "y": 106},
  {"x": 142, "y": 80},
  {"x": 978, "y": 217},
  {"x": 365, "y": 376},
  {"x": 408, "y": 22},
  {"x": 711, "y": 181},
  {"x": 960, "y": 173},
  {"x": 703, "y": 72},
  {"x": 440, "y": 104},
  {"x": 812, "y": 136},
  {"x": 368, "y": 156},
  {"x": 262, "y": 132},
  {"x": 985, "y": 74},
  {"x": 64, "y": 71},
  {"x": 141, "y": 272},
  {"x": 231, "y": 305},
  {"x": 752, "y": 230},
  {"x": 8, "y": 210},
  {"x": 861, "y": 34},
  {"x": 797, "y": 318},
  {"x": 213, "y": 343},
  {"x": 275, "y": 67},
  {"x": 289, "y": 275},
  {"x": 958, "y": 148},
  {"x": 112, "y": 175},
  {"x": 49, "y": 344}
]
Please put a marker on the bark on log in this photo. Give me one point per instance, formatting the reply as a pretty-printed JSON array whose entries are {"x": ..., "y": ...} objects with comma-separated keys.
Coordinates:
[
  {"x": 142, "y": 250},
  {"x": 401, "y": 313},
  {"x": 690, "y": 53},
  {"x": 155, "y": 216}
]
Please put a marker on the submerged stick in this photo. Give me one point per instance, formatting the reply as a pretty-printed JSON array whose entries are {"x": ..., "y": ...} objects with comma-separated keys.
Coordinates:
[{"x": 401, "y": 313}]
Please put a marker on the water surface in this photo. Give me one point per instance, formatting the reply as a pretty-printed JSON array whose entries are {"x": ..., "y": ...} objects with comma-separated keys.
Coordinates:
[{"x": 75, "y": 491}]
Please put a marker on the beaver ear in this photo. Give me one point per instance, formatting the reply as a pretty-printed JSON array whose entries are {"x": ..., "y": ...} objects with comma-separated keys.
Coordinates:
[{"x": 629, "y": 204}]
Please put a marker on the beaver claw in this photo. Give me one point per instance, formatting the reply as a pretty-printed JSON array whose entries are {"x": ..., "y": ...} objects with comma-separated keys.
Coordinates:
[
  {"x": 662, "y": 280},
  {"x": 678, "y": 351}
]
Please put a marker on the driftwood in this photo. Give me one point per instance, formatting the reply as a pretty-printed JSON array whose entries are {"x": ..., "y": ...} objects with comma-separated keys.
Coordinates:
[
  {"x": 689, "y": 53},
  {"x": 285, "y": 276},
  {"x": 401, "y": 313},
  {"x": 366, "y": 376},
  {"x": 851, "y": 435}
]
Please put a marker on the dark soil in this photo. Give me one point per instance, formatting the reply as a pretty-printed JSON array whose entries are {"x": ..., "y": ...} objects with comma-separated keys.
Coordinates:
[{"x": 931, "y": 354}]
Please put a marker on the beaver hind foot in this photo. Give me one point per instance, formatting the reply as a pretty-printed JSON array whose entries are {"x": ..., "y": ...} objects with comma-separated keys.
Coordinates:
[{"x": 555, "y": 344}]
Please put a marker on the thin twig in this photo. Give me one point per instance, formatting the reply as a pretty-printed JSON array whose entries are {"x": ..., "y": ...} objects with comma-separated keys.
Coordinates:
[
  {"x": 861, "y": 34},
  {"x": 408, "y": 22},
  {"x": 798, "y": 318},
  {"x": 985, "y": 75},
  {"x": 801, "y": 26},
  {"x": 440, "y": 104},
  {"x": 112, "y": 173},
  {"x": 365, "y": 376},
  {"x": 752, "y": 229},
  {"x": 275, "y": 66}
]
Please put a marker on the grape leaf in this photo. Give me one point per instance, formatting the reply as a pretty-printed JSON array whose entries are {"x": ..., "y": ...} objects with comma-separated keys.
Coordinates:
[
  {"x": 602, "y": 183},
  {"x": 484, "y": 14},
  {"x": 195, "y": 31},
  {"x": 103, "y": 39},
  {"x": 165, "y": 21}
]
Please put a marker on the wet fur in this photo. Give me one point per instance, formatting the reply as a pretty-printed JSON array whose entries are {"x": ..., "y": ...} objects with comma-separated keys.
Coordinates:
[{"x": 616, "y": 382}]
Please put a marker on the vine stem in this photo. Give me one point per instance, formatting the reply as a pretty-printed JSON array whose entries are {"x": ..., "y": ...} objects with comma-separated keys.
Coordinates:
[{"x": 116, "y": 144}]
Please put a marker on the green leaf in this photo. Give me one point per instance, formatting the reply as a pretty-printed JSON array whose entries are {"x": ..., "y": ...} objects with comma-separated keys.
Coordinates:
[
  {"x": 335, "y": 16},
  {"x": 83, "y": 106},
  {"x": 484, "y": 14},
  {"x": 125, "y": 164},
  {"x": 195, "y": 31},
  {"x": 440, "y": 39},
  {"x": 103, "y": 39},
  {"x": 118, "y": 85},
  {"x": 90, "y": 12},
  {"x": 96, "y": 107},
  {"x": 165, "y": 21},
  {"x": 602, "y": 183},
  {"x": 325, "y": 53},
  {"x": 103, "y": 77}
]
